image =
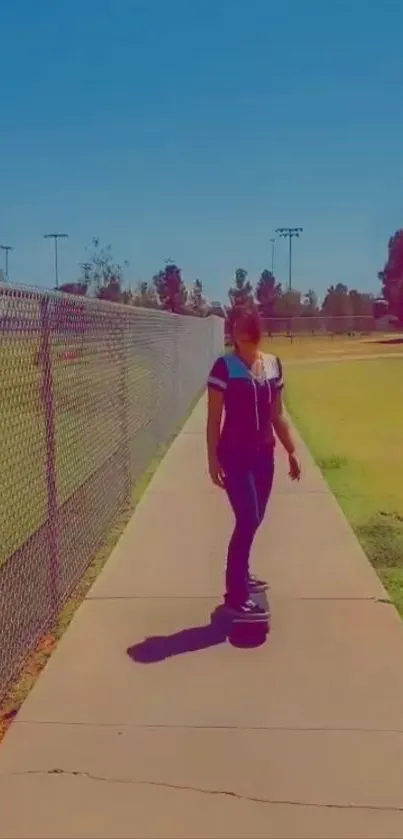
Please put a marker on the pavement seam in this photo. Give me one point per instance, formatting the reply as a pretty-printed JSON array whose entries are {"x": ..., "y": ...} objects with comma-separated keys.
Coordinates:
[
  {"x": 180, "y": 727},
  {"x": 207, "y": 491},
  {"x": 305, "y": 598},
  {"x": 204, "y": 791}
]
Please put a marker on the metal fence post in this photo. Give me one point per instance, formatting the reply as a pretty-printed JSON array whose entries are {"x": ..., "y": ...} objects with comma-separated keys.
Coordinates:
[
  {"x": 174, "y": 384},
  {"x": 124, "y": 402},
  {"x": 50, "y": 437}
]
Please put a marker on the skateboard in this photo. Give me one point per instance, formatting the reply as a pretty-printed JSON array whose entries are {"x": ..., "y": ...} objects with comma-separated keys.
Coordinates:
[
  {"x": 247, "y": 632},
  {"x": 243, "y": 631}
]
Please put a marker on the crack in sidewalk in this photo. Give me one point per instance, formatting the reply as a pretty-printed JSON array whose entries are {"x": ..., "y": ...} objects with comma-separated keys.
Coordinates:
[{"x": 278, "y": 802}]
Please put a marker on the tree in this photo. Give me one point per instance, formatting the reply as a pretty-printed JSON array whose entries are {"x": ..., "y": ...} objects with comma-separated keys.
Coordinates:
[
  {"x": 127, "y": 297},
  {"x": 242, "y": 292},
  {"x": 196, "y": 301},
  {"x": 362, "y": 304},
  {"x": 79, "y": 288},
  {"x": 267, "y": 292},
  {"x": 338, "y": 307},
  {"x": 380, "y": 308},
  {"x": 216, "y": 308},
  {"x": 337, "y": 301},
  {"x": 310, "y": 304},
  {"x": 392, "y": 276},
  {"x": 104, "y": 275},
  {"x": 288, "y": 304},
  {"x": 309, "y": 311},
  {"x": 170, "y": 288},
  {"x": 145, "y": 296},
  {"x": 112, "y": 291}
]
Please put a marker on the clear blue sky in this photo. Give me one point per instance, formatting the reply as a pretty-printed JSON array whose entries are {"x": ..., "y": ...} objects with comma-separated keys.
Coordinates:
[{"x": 190, "y": 129}]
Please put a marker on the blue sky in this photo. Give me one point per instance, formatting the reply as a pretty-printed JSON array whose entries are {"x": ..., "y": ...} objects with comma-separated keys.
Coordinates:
[{"x": 191, "y": 130}]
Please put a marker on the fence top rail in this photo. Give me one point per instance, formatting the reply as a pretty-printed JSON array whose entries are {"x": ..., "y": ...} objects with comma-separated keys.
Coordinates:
[
  {"x": 320, "y": 316},
  {"x": 62, "y": 299}
]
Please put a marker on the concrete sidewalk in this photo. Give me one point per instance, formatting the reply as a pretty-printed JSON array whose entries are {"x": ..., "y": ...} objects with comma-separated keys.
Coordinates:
[{"x": 302, "y": 737}]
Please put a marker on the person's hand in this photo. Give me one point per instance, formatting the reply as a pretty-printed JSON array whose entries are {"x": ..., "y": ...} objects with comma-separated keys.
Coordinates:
[
  {"x": 216, "y": 472},
  {"x": 295, "y": 467}
]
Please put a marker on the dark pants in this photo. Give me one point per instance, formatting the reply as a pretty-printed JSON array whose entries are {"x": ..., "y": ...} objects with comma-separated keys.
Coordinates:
[{"x": 248, "y": 490}]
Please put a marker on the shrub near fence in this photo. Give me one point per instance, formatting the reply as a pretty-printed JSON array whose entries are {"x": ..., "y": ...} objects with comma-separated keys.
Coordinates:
[{"x": 89, "y": 390}]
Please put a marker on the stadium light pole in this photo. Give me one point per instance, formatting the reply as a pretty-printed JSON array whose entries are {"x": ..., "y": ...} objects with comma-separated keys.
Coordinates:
[
  {"x": 55, "y": 237},
  {"x": 289, "y": 233},
  {"x": 86, "y": 268},
  {"x": 6, "y": 249},
  {"x": 273, "y": 241}
]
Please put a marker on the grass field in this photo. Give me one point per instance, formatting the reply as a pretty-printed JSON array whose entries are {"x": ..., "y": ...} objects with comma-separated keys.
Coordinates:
[
  {"x": 321, "y": 347},
  {"x": 350, "y": 415}
]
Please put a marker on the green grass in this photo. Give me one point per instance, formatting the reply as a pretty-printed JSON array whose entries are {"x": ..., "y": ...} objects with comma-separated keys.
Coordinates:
[
  {"x": 350, "y": 415},
  {"x": 325, "y": 346}
]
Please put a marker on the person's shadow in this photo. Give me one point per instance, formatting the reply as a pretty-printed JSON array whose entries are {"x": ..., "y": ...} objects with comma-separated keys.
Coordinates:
[
  {"x": 160, "y": 647},
  {"x": 189, "y": 640}
]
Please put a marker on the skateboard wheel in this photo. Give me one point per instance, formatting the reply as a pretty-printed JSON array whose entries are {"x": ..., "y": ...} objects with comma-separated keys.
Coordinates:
[{"x": 248, "y": 633}]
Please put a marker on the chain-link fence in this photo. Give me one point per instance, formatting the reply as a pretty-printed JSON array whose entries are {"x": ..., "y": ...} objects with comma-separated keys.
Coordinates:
[
  {"x": 324, "y": 325},
  {"x": 89, "y": 390}
]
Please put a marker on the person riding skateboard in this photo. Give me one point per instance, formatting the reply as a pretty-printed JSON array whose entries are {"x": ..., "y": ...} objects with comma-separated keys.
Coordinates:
[{"x": 245, "y": 408}]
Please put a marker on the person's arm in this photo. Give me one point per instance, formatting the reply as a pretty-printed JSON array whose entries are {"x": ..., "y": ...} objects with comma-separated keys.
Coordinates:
[
  {"x": 217, "y": 383},
  {"x": 283, "y": 431},
  {"x": 214, "y": 415},
  {"x": 281, "y": 425}
]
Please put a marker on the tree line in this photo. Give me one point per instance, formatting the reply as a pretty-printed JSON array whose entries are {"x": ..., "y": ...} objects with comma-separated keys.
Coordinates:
[
  {"x": 391, "y": 276},
  {"x": 104, "y": 278},
  {"x": 275, "y": 302}
]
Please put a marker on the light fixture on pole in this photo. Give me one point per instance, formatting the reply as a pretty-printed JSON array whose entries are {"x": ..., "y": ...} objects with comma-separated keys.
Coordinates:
[
  {"x": 86, "y": 269},
  {"x": 6, "y": 249},
  {"x": 55, "y": 237},
  {"x": 272, "y": 240},
  {"x": 289, "y": 233}
]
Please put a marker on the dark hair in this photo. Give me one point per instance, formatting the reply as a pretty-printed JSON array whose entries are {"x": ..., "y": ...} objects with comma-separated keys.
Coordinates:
[{"x": 247, "y": 319}]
